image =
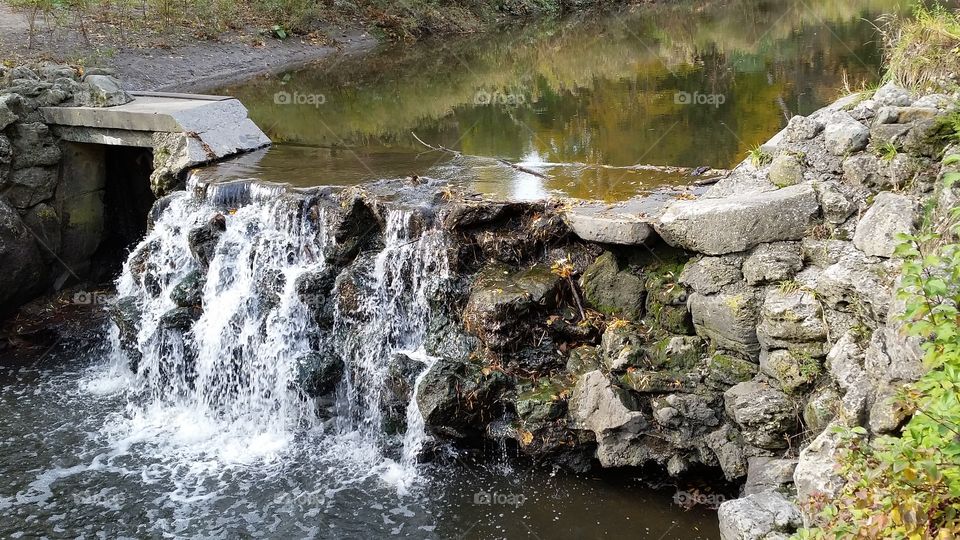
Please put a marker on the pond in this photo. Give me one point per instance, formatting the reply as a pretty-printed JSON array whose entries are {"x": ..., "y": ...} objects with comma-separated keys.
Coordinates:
[{"x": 578, "y": 101}]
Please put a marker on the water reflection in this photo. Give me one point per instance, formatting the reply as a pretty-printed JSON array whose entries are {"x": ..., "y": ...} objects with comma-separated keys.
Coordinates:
[{"x": 665, "y": 85}]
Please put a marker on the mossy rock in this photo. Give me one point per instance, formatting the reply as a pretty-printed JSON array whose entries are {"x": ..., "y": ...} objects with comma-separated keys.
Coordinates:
[
  {"x": 792, "y": 370},
  {"x": 544, "y": 403},
  {"x": 677, "y": 352},
  {"x": 612, "y": 291},
  {"x": 666, "y": 303},
  {"x": 583, "y": 359},
  {"x": 724, "y": 371},
  {"x": 659, "y": 382},
  {"x": 622, "y": 346}
]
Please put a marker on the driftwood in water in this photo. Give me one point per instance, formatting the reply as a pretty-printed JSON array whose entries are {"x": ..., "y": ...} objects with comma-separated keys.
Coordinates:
[{"x": 712, "y": 176}]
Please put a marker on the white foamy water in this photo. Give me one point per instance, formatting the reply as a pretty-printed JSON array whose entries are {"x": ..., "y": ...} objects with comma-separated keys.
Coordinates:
[{"x": 224, "y": 392}]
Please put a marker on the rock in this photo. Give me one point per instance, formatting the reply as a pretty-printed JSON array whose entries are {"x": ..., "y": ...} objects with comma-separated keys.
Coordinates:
[
  {"x": 891, "y": 357},
  {"x": 659, "y": 382},
  {"x": 792, "y": 320},
  {"x": 727, "y": 444},
  {"x": 772, "y": 263},
  {"x": 454, "y": 395},
  {"x": 189, "y": 292},
  {"x": 30, "y": 186},
  {"x": 203, "y": 240},
  {"x": 816, "y": 473},
  {"x": 758, "y": 517},
  {"x": 836, "y": 207},
  {"x": 317, "y": 374},
  {"x": 102, "y": 91},
  {"x": 402, "y": 372},
  {"x": 622, "y": 347},
  {"x": 845, "y": 364},
  {"x": 7, "y": 116},
  {"x": 890, "y": 214},
  {"x": 126, "y": 315},
  {"x": 899, "y": 171},
  {"x": 33, "y": 146},
  {"x": 739, "y": 222},
  {"x": 890, "y": 94},
  {"x": 793, "y": 371},
  {"x": 45, "y": 224},
  {"x": 843, "y": 135},
  {"x": 666, "y": 304},
  {"x": 677, "y": 353},
  {"x": 180, "y": 319},
  {"x": 857, "y": 284},
  {"x": 936, "y": 101},
  {"x": 822, "y": 407},
  {"x": 766, "y": 416},
  {"x": 21, "y": 264},
  {"x": 599, "y": 406},
  {"x": 785, "y": 170},
  {"x": 501, "y": 300},
  {"x": 889, "y": 412},
  {"x": 729, "y": 319},
  {"x": 862, "y": 169},
  {"x": 802, "y": 128},
  {"x": 695, "y": 408},
  {"x": 766, "y": 473},
  {"x": 612, "y": 291},
  {"x": 598, "y": 225},
  {"x": 583, "y": 359},
  {"x": 724, "y": 371},
  {"x": 707, "y": 275},
  {"x": 541, "y": 404}
]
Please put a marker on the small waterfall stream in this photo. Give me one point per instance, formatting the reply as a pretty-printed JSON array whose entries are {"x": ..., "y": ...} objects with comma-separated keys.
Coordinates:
[{"x": 225, "y": 385}]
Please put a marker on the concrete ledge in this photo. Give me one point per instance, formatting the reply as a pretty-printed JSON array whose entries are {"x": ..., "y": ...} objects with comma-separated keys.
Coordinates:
[
  {"x": 627, "y": 223},
  {"x": 152, "y": 113}
]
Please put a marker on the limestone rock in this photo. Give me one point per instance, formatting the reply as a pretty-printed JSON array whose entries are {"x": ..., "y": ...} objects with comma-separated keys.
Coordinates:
[
  {"x": 766, "y": 473},
  {"x": 835, "y": 205},
  {"x": 857, "y": 284},
  {"x": 862, "y": 169},
  {"x": 845, "y": 363},
  {"x": 785, "y": 170},
  {"x": 739, "y": 222},
  {"x": 792, "y": 320},
  {"x": 822, "y": 407},
  {"x": 772, "y": 263},
  {"x": 622, "y": 347},
  {"x": 677, "y": 353},
  {"x": 888, "y": 412},
  {"x": 766, "y": 416},
  {"x": 816, "y": 469},
  {"x": 792, "y": 371},
  {"x": 102, "y": 91},
  {"x": 707, "y": 275},
  {"x": 454, "y": 395},
  {"x": 802, "y": 128},
  {"x": 203, "y": 240},
  {"x": 728, "y": 318},
  {"x": 30, "y": 186},
  {"x": 612, "y": 291},
  {"x": 7, "y": 116},
  {"x": 33, "y": 146},
  {"x": 843, "y": 135},
  {"x": 890, "y": 94},
  {"x": 724, "y": 371},
  {"x": 728, "y": 446},
  {"x": 890, "y": 214},
  {"x": 599, "y": 406},
  {"x": 45, "y": 224},
  {"x": 583, "y": 359},
  {"x": 758, "y": 517}
]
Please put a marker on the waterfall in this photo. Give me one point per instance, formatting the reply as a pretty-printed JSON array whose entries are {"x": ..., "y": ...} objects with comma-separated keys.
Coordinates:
[{"x": 224, "y": 382}]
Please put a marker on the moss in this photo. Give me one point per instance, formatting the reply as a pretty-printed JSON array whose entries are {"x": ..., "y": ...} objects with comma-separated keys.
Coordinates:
[{"x": 666, "y": 299}]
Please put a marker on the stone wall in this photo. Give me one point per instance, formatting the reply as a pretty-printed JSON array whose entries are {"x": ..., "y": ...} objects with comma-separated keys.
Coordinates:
[{"x": 49, "y": 228}]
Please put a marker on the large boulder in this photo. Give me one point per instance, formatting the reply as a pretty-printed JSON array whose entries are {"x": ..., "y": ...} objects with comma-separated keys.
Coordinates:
[
  {"x": 598, "y": 405},
  {"x": 21, "y": 264},
  {"x": 612, "y": 291},
  {"x": 729, "y": 319},
  {"x": 454, "y": 395},
  {"x": 759, "y": 516},
  {"x": 739, "y": 222},
  {"x": 766, "y": 416},
  {"x": 891, "y": 214}
]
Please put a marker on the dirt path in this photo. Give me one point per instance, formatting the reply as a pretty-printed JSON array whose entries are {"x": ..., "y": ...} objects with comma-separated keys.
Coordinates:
[{"x": 188, "y": 66}]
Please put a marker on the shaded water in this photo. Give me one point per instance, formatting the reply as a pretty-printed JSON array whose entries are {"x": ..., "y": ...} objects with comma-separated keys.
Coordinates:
[{"x": 662, "y": 85}]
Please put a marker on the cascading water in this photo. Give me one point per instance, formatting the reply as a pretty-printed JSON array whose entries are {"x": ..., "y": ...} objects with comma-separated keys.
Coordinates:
[{"x": 226, "y": 386}]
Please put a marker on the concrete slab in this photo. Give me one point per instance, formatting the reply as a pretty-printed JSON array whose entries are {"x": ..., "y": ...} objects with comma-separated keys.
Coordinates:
[{"x": 168, "y": 114}]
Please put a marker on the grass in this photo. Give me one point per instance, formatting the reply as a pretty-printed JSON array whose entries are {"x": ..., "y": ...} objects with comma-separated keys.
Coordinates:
[
  {"x": 886, "y": 151},
  {"x": 923, "y": 51},
  {"x": 759, "y": 157}
]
